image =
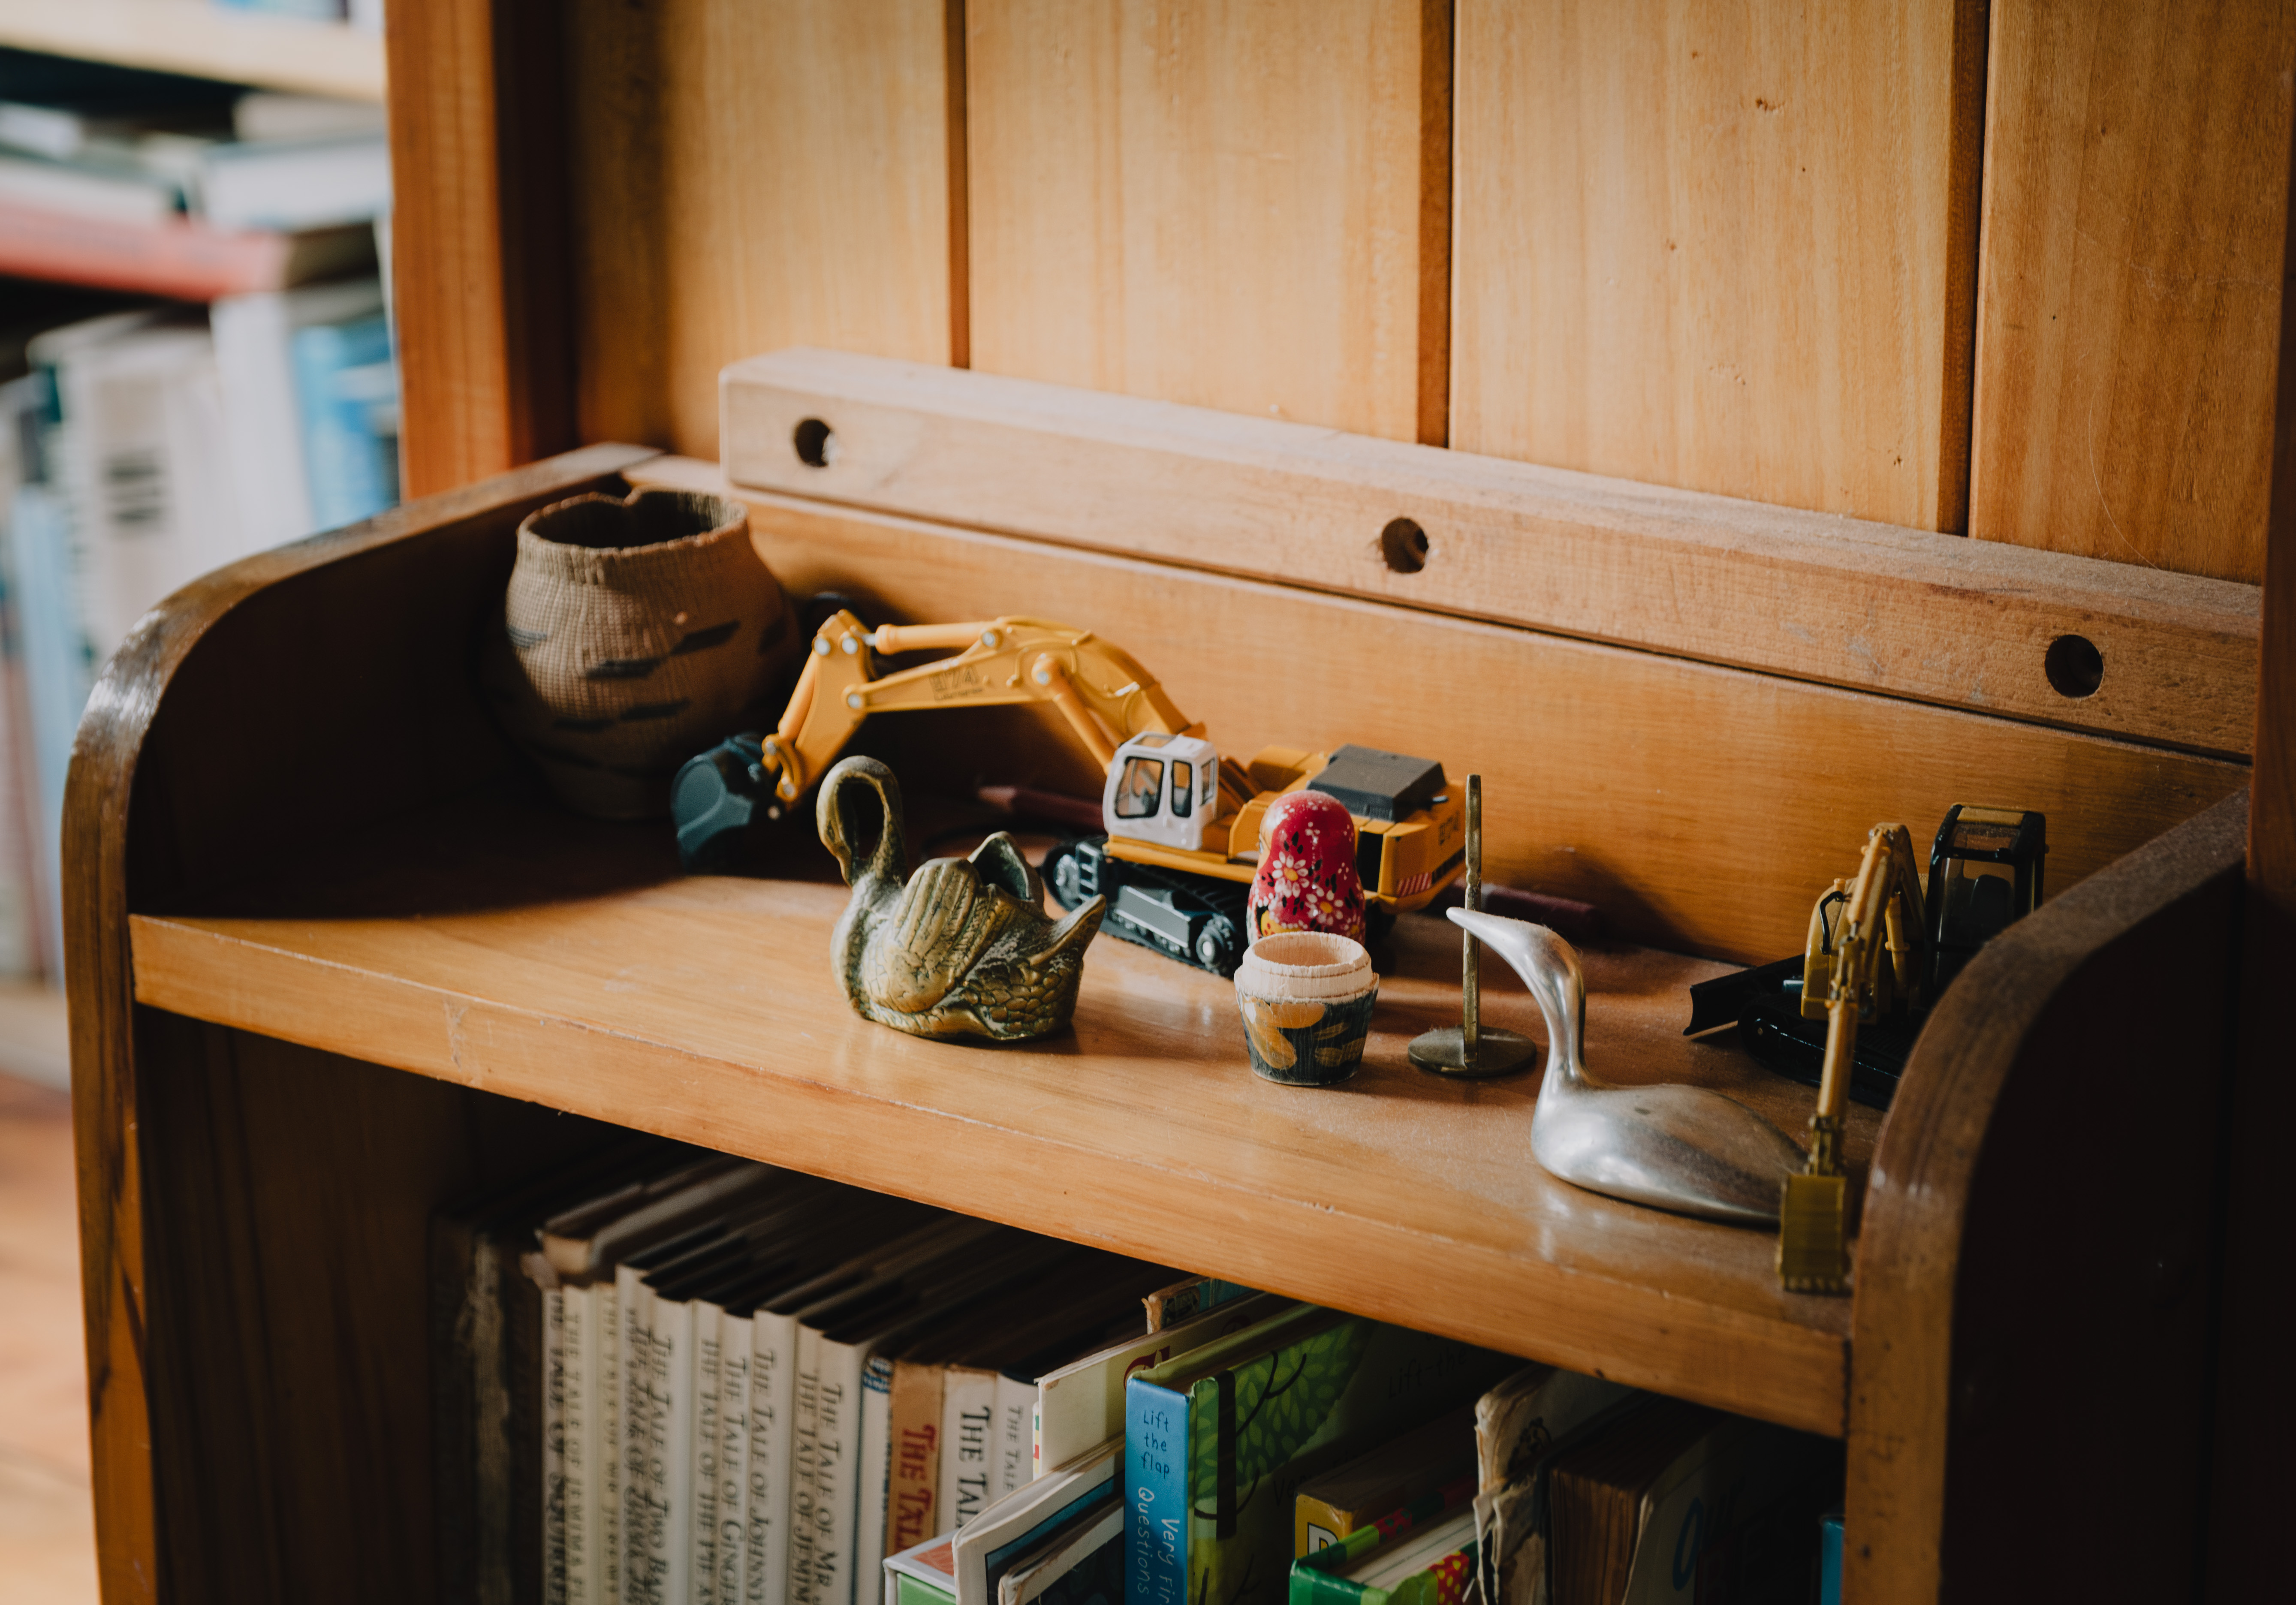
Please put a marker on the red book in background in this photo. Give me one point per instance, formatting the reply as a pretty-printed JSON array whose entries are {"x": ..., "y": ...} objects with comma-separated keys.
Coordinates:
[{"x": 177, "y": 257}]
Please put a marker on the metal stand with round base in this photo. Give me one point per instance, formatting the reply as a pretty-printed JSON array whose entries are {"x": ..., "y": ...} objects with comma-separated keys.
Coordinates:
[
  {"x": 1444, "y": 1051},
  {"x": 1472, "y": 1051}
]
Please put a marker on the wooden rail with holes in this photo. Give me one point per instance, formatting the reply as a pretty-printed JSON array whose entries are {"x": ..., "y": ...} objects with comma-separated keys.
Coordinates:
[
  {"x": 1931, "y": 618},
  {"x": 1701, "y": 809}
]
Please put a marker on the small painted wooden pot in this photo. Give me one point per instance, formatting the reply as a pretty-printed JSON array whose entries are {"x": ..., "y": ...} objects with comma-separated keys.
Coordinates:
[
  {"x": 635, "y": 632},
  {"x": 1306, "y": 997}
]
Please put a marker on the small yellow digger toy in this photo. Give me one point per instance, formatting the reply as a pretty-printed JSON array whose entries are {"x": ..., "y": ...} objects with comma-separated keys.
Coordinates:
[{"x": 1182, "y": 820}]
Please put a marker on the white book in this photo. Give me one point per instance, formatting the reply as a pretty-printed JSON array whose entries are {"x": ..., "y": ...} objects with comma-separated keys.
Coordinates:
[
  {"x": 874, "y": 1469},
  {"x": 967, "y": 1434},
  {"x": 645, "y": 1540},
  {"x": 708, "y": 1440},
  {"x": 579, "y": 1445},
  {"x": 734, "y": 1342},
  {"x": 263, "y": 415},
  {"x": 296, "y": 185},
  {"x": 1016, "y": 1409},
  {"x": 772, "y": 1417},
  {"x": 672, "y": 1473},
  {"x": 143, "y": 465},
  {"x": 274, "y": 114},
  {"x": 111, "y": 197},
  {"x": 553, "y": 1445},
  {"x": 805, "y": 1513},
  {"x": 606, "y": 1502},
  {"x": 1081, "y": 1405}
]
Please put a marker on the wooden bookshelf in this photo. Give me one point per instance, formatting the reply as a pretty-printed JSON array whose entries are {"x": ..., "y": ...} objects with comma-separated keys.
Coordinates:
[
  {"x": 512, "y": 948},
  {"x": 328, "y": 969},
  {"x": 203, "y": 40},
  {"x": 333, "y": 964}
]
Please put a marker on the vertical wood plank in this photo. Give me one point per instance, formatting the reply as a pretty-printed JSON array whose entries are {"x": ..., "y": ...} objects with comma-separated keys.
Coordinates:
[
  {"x": 478, "y": 238},
  {"x": 752, "y": 175},
  {"x": 2135, "y": 181},
  {"x": 1233, "y": 203},
  {"x": 1725, "y": 248},
  {"x": 446, "y": 264}
]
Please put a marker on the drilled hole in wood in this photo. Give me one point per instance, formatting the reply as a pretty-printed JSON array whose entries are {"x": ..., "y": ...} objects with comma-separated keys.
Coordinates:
[
  {"x": 816, "y": 442},
  {"x": 2074, "y": 666},
  {"x": 1404, "y": 544}
]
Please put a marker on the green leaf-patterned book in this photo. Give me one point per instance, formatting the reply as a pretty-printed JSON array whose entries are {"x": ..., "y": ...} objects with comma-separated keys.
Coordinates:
[{"x": 1218, "y": 1442}]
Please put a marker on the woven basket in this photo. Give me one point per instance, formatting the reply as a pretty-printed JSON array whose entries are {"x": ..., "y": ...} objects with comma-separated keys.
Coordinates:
[{"x": 635, "y": 634}]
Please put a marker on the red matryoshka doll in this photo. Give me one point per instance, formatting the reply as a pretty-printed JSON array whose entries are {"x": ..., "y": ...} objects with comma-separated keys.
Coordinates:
[{"x": 1307, "y": 879}]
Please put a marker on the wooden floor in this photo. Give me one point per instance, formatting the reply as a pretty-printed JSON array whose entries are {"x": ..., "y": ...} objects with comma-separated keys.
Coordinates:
[{"x": 47, "y": 1550}]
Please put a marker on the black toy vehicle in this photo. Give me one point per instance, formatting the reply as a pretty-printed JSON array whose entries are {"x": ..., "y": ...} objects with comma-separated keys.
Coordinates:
[{"x": 1195, "y": 919}]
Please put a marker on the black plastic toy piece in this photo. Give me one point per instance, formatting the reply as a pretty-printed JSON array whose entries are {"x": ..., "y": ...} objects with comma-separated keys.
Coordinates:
[
  {"x": 1966, "y": 912},
  {"x": 1196, "y": 918},
  {"x": 1385, "y": 786},
  {"x": 1765, "y": 1004},
  {"x": 713, "y": 800}
]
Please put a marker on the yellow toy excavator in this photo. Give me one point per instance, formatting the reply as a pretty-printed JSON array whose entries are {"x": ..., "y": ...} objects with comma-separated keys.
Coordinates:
[
  {"x": 1879, "y": 953},
  {"x": 1176, "y": 811}
]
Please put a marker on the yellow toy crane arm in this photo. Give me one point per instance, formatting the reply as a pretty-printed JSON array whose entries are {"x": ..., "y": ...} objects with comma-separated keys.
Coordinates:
[
  {"x": 1883, "y": 913},
  {"x": 1105, "y": 695}
]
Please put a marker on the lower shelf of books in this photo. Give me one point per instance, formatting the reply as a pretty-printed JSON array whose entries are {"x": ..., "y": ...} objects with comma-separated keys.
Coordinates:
[{"x": 728, "y": 1383}]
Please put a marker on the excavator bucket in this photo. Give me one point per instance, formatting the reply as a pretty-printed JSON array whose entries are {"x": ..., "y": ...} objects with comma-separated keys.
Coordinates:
[{"x": 1812, "y": 1255}]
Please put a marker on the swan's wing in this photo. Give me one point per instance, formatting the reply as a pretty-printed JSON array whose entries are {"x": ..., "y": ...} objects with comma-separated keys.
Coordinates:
[{"x": 999, "y": 862}]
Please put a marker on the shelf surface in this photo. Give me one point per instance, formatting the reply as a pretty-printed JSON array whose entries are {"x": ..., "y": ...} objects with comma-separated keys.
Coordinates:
[
  {"x": 513, "y": 949},
  {"x": 203, "y": 40}
]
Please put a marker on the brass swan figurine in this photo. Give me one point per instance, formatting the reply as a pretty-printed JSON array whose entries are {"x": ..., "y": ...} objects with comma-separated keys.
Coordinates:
[
  {"x": 961, "y": 948},
  {"x": 1672, "y": 1146}
]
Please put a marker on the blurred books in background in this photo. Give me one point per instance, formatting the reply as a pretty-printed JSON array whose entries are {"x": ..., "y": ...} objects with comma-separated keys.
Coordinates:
[{"x": 195, "y": 364}]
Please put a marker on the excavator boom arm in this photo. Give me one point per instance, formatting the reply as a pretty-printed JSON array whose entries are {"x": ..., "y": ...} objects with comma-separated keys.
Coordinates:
[
  {"x": 1105, "y": 696},
  {"x": 1883, "y": 912}
]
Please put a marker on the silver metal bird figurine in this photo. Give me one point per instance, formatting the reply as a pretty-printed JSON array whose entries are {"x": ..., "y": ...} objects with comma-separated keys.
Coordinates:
[{"x": 1672, "y": 1147}]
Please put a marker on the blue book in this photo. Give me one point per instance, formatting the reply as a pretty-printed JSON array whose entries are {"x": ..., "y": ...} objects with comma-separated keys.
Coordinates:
[
  {"x": 59, "y": 669},
  {"x": 1829, "y": 1559},
  {"x": 347, "y": 389},
  {"x": 1217, "y": 1441}
]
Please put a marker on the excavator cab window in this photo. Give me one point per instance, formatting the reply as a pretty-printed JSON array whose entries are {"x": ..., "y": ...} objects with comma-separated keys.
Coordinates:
[
  {"x": 1184, "y": 785},
  {"x": 1141, "y": 793}
]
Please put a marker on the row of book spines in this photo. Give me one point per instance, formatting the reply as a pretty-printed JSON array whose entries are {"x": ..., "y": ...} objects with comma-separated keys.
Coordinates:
[
  {"x": 730, "y": 1440},
  {"x": 954, "y": 1438},
  {"x": 680, "y": 1352}
]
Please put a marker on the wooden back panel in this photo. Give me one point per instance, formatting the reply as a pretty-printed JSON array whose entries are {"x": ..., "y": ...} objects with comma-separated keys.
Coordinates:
[
  {"x": 2136, "y": 195},
  {"x": 1693, "y": 249},
  {"x": 1696, "y": 246}
]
